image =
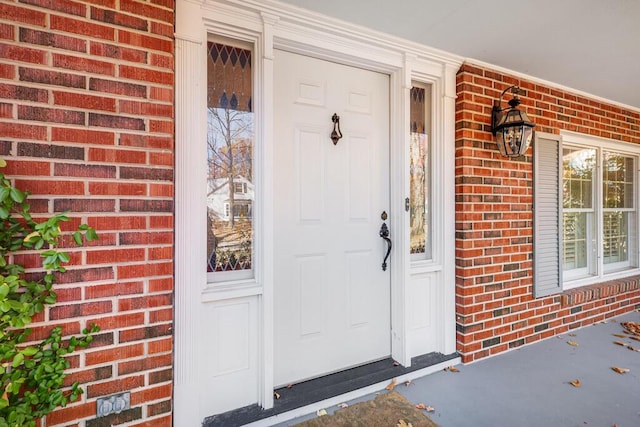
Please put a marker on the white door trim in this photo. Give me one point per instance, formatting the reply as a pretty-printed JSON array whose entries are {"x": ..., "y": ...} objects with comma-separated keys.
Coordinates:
[{"x": 268, "y": 24}]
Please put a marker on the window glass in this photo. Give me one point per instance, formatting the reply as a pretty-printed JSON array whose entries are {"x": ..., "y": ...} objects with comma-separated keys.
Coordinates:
[
  {"x": 230, "y": 138},
  {"x": 618, "y": 201},
  {"x": 419, "y": 170},
  {"x": 579, "y": 165}
]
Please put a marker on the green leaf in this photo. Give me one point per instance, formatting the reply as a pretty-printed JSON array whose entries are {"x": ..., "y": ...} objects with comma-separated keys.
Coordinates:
[
  {"x": 4, "y": 290},
  {"x": 29, "y": 351},
  {"x": 17, "y": 360},
  {"x": 91, "y": 235},
  {"x": 77, "y": 237},
  {"x": 16, "y": 195},
  {"x": 4, "y": 212}
]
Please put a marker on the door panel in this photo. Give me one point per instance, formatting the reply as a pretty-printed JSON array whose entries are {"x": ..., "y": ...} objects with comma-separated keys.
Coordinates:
[{"x": 332, "y": 299}]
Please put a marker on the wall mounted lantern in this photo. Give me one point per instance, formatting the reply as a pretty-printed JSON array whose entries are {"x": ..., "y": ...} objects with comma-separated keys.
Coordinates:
[{"x": 511, "y": 127}]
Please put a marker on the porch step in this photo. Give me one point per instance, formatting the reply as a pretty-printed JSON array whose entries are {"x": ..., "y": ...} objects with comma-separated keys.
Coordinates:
[{"x": 318, "y": 389}]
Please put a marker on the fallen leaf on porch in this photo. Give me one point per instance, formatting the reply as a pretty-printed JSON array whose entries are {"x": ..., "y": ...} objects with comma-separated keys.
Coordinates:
[
  {"x": 276, "y": 395},
  {"x": 425, "y": 407},
  {"x": 635, "y": 338},
  {"x": 620, "y": 370},
  {"x": 403, "y": 423},
  {"x": 619, "y": 335},
  {"x": 342, "y": 405},
  {"x": 289, "y": 385},
  {"x": 321, "y": 412},
  {"x": 572, "y": 343},
  {"x": 407, "y": 383},
  {"x": 575, "y": 383},
  {"x": 632, "y": 327},
  {"x": 573, "y": 335},
  {"x": 631, "y": 348},
  {"x": 452, "y": 369},
  {"x": 619, "y": 343},
  {"x": 396, "y": 363},
  {"x": 392, "y": 384}
]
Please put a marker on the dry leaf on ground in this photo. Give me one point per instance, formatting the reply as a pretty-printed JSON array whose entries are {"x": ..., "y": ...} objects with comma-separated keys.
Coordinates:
[
  {"x": 403, "y": 423},
  {"x": 392, "y": 384},
  {"x": 342, "y": 405},
  {"x": 572, "y": 343},
  {"x": 619, "y": 343},
  {"x": 620, "y": 335},
  {"x": 620, "y": 370},
  {"x": 407, "y": 383},
  {"x": 452, "y": 369},
  {"x": 632, "y": 327},
  {"x": 573, "y": 335},
  {"x": 575, "y": 383},
  {"x": 321, "y": 412},
  {"x": 276, "y": 395},
  {"x": 425, "y": 407},
  {"x": 396, "y": 363}
]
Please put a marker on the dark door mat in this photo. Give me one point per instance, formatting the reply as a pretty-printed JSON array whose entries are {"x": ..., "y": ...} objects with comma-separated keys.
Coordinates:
[
  {"x": 386, "y": 410},
  {"x": 322, "y": 388}
]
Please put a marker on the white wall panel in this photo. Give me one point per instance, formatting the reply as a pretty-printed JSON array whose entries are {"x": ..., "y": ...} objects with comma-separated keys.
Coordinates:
[
  {"x": 228, "y": 355},
  {"x": 422, "y": 318}
]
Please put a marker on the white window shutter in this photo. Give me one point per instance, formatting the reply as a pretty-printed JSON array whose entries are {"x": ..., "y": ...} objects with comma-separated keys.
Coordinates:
[{"x": 547, "y": 214}]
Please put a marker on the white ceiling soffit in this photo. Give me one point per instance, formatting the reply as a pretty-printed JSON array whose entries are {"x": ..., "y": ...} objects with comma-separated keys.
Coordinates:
[{"x": 589, "y": 45}]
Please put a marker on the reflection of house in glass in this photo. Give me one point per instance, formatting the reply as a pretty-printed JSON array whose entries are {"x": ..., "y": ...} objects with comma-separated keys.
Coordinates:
[
  {"x": 229, "y": 238},
  {"x": 218, "y": 200}
]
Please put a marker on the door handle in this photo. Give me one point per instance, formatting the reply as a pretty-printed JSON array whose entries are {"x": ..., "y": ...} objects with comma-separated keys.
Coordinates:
[{"x": 384, "y": 233}]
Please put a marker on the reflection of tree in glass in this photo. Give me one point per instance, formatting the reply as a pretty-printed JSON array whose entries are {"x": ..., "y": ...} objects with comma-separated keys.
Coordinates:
[
  {"x": 578, "y": 166},
  {"x": 617, "y": 180},
  {"x": 229, "y": 143}
]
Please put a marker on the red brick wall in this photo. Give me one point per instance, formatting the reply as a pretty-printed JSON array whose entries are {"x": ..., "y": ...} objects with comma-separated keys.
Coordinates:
[
  {"x": 86, "y": 124},
  {"x": 495, "y": 308}
]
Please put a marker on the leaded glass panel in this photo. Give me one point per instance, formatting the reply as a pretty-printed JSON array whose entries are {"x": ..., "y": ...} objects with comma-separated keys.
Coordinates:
[
  {"x": 419, "y": 171},
  {"x": 230, "y": 138}
]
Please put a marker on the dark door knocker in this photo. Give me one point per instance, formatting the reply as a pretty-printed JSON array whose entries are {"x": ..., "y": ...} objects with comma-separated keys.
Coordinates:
[
  {"x": 384, "y": 233},
  {"x": 336, "y": 134}
]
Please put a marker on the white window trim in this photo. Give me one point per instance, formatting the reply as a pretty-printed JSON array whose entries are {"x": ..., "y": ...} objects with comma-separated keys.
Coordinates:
[{"x": 613, "y": 271}]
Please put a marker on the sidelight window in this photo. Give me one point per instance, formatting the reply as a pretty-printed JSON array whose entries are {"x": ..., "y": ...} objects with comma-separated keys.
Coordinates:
[
  {"x": 230, "y": 141},
  {"x": 420, "y": 173}
]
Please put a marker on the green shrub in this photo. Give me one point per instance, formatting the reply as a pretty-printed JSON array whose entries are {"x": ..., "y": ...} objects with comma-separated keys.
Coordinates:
[{"x": 31, "y": 372}]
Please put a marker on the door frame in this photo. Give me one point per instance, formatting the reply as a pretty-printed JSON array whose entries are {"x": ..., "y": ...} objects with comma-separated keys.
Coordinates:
[{"x": 266, "y": 25}]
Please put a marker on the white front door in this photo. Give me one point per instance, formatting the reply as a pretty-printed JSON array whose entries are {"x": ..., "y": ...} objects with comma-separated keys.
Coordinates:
[{"x": 331, "y": 296}]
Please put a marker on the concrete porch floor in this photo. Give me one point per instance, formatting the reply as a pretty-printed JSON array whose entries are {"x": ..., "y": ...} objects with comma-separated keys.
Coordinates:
[{"x": 530, "y": 386}]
